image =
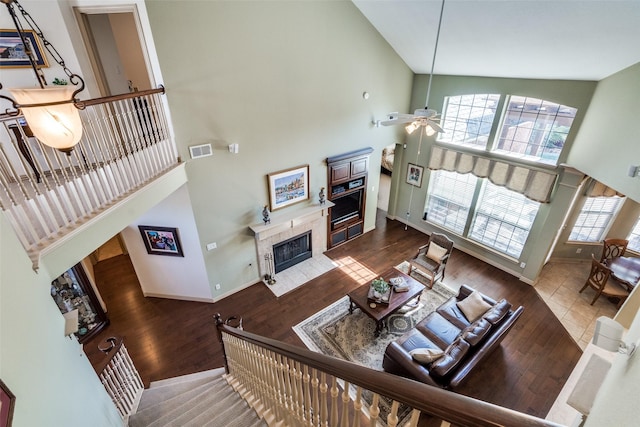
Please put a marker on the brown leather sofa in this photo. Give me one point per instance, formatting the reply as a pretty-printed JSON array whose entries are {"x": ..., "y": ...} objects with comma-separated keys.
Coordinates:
[{"x": 463, "y": 343}]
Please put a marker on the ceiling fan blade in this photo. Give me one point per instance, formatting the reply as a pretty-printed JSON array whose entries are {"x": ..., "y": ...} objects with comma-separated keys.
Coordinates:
[
  {"x": 435, "y": 126},
  {"x": 397, "y": 118}
]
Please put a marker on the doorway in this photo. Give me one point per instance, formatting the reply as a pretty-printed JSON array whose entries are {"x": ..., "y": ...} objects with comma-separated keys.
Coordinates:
[{"x": 114, "y": 42}]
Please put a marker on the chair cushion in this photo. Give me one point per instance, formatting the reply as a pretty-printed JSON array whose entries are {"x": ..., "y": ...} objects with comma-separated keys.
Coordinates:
[
  {"x": 473, "y": 306},
  {"x": 436, "y": 252},
  {"x": 474, "y": 333},
  {"x": 426, "y": 355},
  {"x": 427, "y": 263},
  {"x": 452, "y": 356},
  {"x": 497, "y": 312}
]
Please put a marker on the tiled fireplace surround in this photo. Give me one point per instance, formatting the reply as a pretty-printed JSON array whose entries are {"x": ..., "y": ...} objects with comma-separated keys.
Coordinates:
[{"x": 290, "y": 224}]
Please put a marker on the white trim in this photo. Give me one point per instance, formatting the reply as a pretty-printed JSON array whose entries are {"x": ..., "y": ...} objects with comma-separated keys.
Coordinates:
[{"x": 178, "y": 297}]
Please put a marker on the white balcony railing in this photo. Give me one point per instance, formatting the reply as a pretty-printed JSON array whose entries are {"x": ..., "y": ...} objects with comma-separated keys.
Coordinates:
[{"x": 45, "y": 193}]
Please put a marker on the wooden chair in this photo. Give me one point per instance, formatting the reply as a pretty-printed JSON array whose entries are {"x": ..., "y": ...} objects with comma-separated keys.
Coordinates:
[
  {"x": 613, "y": 248},
  {"x": 601, "y": 281},
  {"x": 432, "y": 259}
]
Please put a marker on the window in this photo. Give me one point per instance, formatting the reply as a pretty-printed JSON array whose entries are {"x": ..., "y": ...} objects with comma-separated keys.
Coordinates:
[
  {"x": 503, "y": 219},
  {"x": 634, "y": 238},
  {"x": 449, "y": 199},
  {"x": 594, "y": 219},
  {"x": 468, "y": 119},
  {"x": 534, "y": 129}
]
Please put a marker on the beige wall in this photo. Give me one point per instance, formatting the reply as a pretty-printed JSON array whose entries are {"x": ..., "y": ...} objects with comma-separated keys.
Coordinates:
[
  {"x": 284, "y": 80},
  {"x": 608, "y": 141}
]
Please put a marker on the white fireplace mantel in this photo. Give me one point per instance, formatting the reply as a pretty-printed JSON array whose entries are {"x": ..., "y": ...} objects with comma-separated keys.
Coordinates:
[
  {"x": 288, "y": 224},
  {"x": 284, "y": 221}
]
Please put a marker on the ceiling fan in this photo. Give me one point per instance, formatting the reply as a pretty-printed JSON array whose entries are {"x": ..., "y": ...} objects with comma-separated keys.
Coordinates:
[
  {"x": 426, "y": 117},
  {"x": 422, "y": 117}
]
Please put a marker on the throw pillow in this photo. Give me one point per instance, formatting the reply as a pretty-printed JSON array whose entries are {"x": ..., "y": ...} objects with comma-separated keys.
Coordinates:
[
  {"x": 436, "y": 252},
  {"x": 426, "y": 355},
  {"x": 473, "y": 306}
]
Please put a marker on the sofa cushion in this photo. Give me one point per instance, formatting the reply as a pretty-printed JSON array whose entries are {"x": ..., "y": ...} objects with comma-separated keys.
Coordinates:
[
  {"x": 436, "y": 252},
  {"x": 452, "y": 356},
  {"x": 473, "y": 306},
  {"x": 474, "y": 333},
  {"x": 426, "y": 355},
  {"x": 497, "y": 312},
  {"x": 415, "y": 339},
  {"x": 450, "y": 311},
  {"x": 438, "y": 329}
]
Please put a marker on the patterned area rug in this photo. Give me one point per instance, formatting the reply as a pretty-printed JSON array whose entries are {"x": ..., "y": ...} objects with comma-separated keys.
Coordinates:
[{"x": 335, "y": 332}]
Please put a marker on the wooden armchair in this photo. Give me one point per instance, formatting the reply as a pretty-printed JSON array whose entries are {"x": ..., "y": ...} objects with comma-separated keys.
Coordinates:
[
  {"x": 432, "y": 258},
  {"x": 613, "y": 248},
  {"x": 601, "y": 281}
]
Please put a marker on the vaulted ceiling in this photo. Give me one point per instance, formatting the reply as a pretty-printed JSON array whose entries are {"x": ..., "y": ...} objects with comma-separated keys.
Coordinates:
[{"x": 539, "y": 39}]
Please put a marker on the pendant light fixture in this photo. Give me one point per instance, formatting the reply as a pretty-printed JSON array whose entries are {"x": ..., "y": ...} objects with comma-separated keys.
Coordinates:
[{"x": 51, "y": 113}]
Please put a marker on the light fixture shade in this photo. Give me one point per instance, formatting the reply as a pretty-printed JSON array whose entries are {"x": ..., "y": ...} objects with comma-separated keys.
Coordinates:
[
  {"x": 429, "y": 130},
  {"x": 411, "y": 127},
  {"x": 58, "y": 126}
]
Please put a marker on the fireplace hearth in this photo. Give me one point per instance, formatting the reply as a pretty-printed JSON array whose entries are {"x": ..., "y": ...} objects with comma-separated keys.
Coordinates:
[{"x": 292, "y": 251}]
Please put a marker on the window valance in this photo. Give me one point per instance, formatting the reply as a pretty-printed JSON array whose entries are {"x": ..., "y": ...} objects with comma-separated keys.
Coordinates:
[
  {"x": 598, "y": 189},
  {"x": 533, "y": 184}
]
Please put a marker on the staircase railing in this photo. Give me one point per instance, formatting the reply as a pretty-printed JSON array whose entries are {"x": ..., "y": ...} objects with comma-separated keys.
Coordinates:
[
  {"x": 120, "y": 377},
  {"x": 45, "y": 194},
  {"x": 291, "y": 386}
]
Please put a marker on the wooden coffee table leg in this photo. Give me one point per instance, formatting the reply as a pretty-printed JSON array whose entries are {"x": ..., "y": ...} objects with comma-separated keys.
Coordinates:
[{"x": 379, "y": 325}]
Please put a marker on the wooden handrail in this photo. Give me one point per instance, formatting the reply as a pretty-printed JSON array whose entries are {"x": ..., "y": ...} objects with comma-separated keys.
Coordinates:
[
  {"x": 455, "y": 408},
  {"x": 110, "y": 348},
  {"x": 119, "y": 97}
]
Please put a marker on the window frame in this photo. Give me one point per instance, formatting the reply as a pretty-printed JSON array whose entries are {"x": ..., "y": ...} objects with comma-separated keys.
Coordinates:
[
  {"x": 612, "y": 214},
  {"x": 634, "y": 235}
]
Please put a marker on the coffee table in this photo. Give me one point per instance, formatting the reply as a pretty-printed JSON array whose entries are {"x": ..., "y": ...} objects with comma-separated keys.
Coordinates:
[{"x": 380, "y": 312}]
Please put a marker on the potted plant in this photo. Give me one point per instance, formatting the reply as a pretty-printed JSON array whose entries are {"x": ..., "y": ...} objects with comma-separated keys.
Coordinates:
[{"x": 380, "y": 290}]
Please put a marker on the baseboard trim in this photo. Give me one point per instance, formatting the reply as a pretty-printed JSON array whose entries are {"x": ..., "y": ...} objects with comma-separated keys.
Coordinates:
[
  {"x": 178, "y": 297},
  {"x": 235, "y": 290}
]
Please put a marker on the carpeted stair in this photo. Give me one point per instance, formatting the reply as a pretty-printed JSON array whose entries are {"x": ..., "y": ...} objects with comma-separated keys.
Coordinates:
[{"x": 198, "y": 400}]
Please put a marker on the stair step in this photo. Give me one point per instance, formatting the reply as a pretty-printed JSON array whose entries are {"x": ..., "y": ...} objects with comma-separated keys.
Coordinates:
[
  {"x": 167, "y": 391},
  {"x": 160, "y": 408},
  {"x": 199, "y": 401}
]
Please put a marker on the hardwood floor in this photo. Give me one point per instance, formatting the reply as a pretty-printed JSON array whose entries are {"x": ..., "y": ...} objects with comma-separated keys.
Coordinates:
[{"x": 168, "y": 338}]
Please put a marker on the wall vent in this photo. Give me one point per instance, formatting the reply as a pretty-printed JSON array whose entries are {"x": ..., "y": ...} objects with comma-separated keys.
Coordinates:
[{"x": 198, "y": 151}]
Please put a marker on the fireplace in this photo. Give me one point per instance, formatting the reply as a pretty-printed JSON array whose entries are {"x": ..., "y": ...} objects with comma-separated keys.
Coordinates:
[{"x": 292, "y": 251}]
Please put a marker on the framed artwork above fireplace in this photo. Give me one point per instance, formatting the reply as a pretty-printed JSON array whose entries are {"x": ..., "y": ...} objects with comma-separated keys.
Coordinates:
[{"x": 288, "y": 187}]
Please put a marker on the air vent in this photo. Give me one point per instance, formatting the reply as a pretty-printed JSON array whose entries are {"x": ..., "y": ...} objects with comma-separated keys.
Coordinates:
[{"x": 198, "y": 151}]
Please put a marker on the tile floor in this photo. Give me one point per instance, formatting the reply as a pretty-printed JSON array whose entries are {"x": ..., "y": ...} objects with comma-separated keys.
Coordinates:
[{"x": 558, "y": 286}]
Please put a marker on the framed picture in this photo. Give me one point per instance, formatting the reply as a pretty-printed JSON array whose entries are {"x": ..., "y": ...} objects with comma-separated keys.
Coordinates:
[
  {"x": 161, "y": 240},
  {"x": 13, "y": 53},
  {"x": 288, "y": 187},
  {"x": 7, "y": 402},
  {"x": 414, "y": 175}
]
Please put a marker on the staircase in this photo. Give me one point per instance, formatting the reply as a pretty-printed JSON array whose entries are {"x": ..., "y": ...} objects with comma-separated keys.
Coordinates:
[{"x": 200, "y": 400}]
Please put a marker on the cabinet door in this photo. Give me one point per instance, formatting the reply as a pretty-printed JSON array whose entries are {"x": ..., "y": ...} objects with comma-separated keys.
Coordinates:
[
  {"x": 340, "y": 172},
  {"x": 359, "y": 166}
]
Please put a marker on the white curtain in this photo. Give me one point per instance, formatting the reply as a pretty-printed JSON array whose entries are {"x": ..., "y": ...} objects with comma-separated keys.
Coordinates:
[{"x": 533, "y": 184}]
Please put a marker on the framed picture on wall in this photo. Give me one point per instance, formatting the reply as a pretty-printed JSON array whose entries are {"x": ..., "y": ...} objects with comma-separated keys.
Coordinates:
[
  {"x": 288, "y": 187},
  {"x": 7, "y": 402},
  {"x": 161, "y": 240},
  {"x": 12, "y": 51},
  {"x": 414, "y": 174}
]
